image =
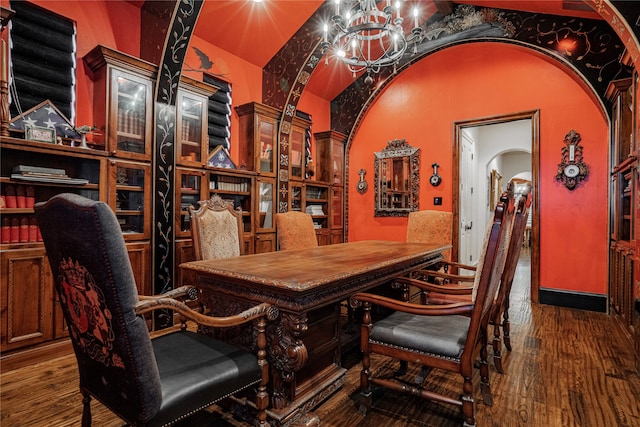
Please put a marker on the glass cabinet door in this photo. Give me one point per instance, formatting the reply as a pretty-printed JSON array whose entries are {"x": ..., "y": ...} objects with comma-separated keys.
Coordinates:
[
  {"x": 129, "y": 196},
  {"x": 296, "y": 153},
  {"x": 266, "y": 204},
  {"x": 337, "y": 154},
  {"x": 131, "y": 120},
  {"x": 267, "y": 158},
  {"x": 296, "y": 191},
  {"x": 336, "y": 208},
  {"x": 190, "y": 128},
  {"x": 189, "y": 193}
]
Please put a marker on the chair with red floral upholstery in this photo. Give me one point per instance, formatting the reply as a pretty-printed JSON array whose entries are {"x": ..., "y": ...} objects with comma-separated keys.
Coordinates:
[
  {"x": 295, "y": 230},
  {"x": 144, "y": 381}
]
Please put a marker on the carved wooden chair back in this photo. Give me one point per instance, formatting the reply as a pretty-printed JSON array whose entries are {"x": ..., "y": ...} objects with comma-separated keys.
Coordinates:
[
  {"x": 448, "y": 337},
  {"x": 500, "y": 316},
  {"x": 216, "y": 229},
  {"x": 295, "y": 230}
]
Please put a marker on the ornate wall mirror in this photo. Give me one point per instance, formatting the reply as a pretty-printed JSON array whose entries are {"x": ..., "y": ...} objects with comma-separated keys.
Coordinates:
[{"x": 397, "y": 179}]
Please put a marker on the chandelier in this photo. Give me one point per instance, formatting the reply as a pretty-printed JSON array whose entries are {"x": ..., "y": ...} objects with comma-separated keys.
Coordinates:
[{"x": 368, "y": 35}]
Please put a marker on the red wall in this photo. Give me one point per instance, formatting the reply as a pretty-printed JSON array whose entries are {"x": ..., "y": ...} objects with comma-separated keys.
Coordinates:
[{"x": 488, "y": 79}]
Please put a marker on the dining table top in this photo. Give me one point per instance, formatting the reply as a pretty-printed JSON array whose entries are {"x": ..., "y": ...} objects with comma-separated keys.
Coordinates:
[{"x": 303, "y": 270}]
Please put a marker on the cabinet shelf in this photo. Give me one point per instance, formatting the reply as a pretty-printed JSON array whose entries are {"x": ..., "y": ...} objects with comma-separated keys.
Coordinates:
[
  {"x": 135, "y": 136},
  {"x": 10, "y": 211}
]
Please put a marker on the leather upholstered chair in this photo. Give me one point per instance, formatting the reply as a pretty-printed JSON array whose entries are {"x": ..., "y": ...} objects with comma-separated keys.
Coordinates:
[
  {"x": 216, "y": 229},
  {"x": 448, "y": 337},
  {"x": 145, "y": 381},
  {"x": 459, "y": 290},
  {"x": 295, "y": 230}
]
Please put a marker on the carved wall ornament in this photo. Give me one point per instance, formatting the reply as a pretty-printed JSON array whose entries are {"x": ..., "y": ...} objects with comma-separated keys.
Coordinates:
[
  {"x": 572, "y": 170},
  {"x": 362, "y": 185}
]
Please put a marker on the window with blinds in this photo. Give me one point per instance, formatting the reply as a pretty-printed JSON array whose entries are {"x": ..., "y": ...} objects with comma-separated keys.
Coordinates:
[
  {"x": 43, "y": 59},
  {"x": 219, "y": 113}
]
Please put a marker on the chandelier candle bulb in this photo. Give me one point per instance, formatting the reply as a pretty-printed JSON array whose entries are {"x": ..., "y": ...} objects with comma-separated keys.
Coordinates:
[{"x": 415, "y": 17}]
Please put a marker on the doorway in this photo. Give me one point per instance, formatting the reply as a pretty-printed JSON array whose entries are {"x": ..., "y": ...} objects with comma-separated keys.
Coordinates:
[{"x": 488, "y": 152}]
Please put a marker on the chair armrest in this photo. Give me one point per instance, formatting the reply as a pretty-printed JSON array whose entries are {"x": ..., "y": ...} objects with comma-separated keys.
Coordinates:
[
  {"x": 149, "y": 304},
  {"x": 458, "y": 265},
  {"x": 188, "y": 292},
  {"x": 461, "y": 308},
  {"x": 446, "y": 276},
  {"x": 430, "y": 287}
]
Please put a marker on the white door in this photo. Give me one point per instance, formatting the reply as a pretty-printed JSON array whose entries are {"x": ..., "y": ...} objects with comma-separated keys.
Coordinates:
[{"x": 467, "y": 201}]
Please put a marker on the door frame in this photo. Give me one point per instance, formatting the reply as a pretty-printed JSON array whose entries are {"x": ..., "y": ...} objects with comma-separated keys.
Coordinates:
[{"x": 458, "y": 126}]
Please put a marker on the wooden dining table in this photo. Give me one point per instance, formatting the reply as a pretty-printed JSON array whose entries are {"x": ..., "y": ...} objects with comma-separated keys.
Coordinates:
[{"x": 307, "y": 286}]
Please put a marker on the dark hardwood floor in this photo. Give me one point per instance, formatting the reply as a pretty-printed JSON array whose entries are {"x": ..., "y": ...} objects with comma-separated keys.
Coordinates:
[{"x": 567, "y": 368}]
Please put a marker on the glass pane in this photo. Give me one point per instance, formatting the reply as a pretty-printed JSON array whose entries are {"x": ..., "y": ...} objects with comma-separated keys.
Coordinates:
[
  {"x": 297, "y": 152},
  {"x": 130, "y": 199},
  {"x": 338, "y": 162},
  {"x": 266, "y": 146},
  {"x": 191, "y": 130},
  {"x": 266, "y": 205},
  {"x": 189, "y": 196},
  {"x": 336, "y": 208},
  {"x": 296, "y": 198},
  {"x": 131, "y": 115}
]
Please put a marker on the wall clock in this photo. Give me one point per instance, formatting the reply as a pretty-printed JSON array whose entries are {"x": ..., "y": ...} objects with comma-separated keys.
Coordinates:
[
  {"x": 572, "y": 170},
  {"x": 435, "y": 179}
]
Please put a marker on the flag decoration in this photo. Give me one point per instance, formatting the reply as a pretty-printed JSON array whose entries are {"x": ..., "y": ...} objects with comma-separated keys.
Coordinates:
[
  {"x": 220, "y": 158},
  {"x": 45, "y": 115}
]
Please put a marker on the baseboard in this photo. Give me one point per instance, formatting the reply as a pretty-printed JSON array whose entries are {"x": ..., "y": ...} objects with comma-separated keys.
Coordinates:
[{"x": 581, "y": 301}]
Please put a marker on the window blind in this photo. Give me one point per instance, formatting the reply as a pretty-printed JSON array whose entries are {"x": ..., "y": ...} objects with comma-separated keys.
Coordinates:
[
  {"x": 43, "y": 59},
  {"x": 219, "y": 113}
]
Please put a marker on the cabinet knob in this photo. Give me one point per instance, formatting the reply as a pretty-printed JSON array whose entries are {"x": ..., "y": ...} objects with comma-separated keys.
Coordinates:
[
  {"x": 113, "y": 162},
  {"x": 114, "y": 152}
]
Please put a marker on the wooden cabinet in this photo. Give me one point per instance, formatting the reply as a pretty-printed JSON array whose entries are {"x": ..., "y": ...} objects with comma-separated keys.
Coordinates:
[
  {"x": 27, "y": 298},
  {"x": 624, "y": 187},
  {"x": 122, "y": 102},
  {"x": 116, "y": 169},
  {"x": 330, "y": 157},
  {"x": 192, "y": 146},
  {"x": 321, "y": 195},
  {"x": 258, "y": 137},
  {"x": 330, "y": 168}
]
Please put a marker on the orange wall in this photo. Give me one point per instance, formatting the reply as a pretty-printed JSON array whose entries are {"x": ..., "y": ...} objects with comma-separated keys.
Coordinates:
[{"x": 487, "y": 79}]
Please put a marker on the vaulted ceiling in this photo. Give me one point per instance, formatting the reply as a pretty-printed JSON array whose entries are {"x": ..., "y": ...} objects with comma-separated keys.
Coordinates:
[{"x": 257, "y": 31}]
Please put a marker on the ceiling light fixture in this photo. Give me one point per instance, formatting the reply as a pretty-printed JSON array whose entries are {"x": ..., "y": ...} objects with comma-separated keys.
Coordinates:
[{"x": 368, "y": 35}]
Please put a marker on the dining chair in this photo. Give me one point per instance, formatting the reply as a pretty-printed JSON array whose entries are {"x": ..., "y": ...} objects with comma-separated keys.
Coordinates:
[
  {"x": 437, "y": 293},
  {"x": 295, "y": 230},
  {"x": 448, "y": 337},
  {"x": 216, "y": 229},
  {"x": 145, "y": 381},
  {"x": 431, "y": 226}
]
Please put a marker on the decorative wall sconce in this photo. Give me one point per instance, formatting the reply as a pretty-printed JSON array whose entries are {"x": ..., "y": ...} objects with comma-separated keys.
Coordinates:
[
  {"x": 362, "y": 184},
  {"x": 572, "y": 170}
]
